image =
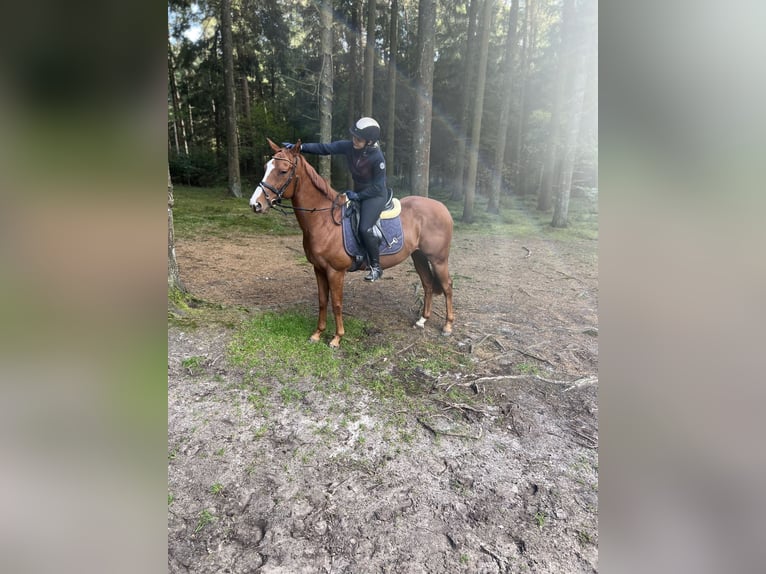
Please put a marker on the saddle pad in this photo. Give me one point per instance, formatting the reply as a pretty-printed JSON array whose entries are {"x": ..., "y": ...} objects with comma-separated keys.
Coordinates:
[
  {"x": 392, "y": 232},
  {"x": 394, "y": 211}
]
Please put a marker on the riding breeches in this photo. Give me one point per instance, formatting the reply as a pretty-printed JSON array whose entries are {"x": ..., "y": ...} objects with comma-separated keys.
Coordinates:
[{"x": 369, "y": 213}]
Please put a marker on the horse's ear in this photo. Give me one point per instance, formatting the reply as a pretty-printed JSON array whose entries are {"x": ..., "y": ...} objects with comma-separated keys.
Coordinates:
[
  {"x": 274, "y": 146},
  {"x": 297, "y": 146}
]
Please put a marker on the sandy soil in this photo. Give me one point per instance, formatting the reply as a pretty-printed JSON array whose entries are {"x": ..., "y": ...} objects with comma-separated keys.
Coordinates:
[{"x": 345, "y": 483}]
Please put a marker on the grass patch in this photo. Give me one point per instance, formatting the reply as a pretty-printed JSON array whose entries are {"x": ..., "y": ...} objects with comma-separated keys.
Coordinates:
[
  {"x": 216, "y": 488},
  {"x": 540, "y": 518},
  {"x": 276, "y": 345},
  {"x": 187, "y": 311},
  {"x": 205, "y": 517},
  {"x": 528, "y": 369},
  {"x": 194, "y": 365},
  {"x": 274, "y": 350},
  {"x": 200, "y": 211},
  {"x": 519, "y": 217},
  {"x": 585, "y": 537},
  {"x": 426, "y": 363}
]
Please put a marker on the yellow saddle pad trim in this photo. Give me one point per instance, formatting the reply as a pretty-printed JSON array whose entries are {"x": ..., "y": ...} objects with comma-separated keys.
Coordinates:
[{"x": 394, "y": 211}]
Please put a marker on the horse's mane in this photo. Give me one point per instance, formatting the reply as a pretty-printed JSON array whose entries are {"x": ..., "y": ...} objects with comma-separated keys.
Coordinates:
[{"x": 319, "y": 182}]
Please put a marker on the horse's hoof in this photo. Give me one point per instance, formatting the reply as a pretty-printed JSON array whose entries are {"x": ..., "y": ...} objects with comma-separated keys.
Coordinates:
[
  {"x": 314, "y": 338},
  {"x": 447, "y": 331},
  {"x": 335, "y": 343},
  {"x": 420, "y": 323}
]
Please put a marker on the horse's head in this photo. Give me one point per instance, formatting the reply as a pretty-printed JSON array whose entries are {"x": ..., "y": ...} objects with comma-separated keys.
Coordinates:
[{"x": 280, "y": 173}]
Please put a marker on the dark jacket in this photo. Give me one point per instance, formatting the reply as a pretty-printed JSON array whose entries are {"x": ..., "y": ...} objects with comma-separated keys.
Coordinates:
[{"x": 367, "y": 165}]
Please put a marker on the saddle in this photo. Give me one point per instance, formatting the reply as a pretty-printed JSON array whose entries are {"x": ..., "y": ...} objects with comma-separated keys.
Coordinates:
[{"x": 388, "y": 230}]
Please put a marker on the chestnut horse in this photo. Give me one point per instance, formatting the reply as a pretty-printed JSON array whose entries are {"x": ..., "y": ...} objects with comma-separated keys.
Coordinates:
[{"x": 426, "y": 225}]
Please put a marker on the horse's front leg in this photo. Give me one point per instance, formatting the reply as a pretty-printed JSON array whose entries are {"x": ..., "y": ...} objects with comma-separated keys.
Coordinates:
[
  {"x": 336, "y": 279},
  {"x": 323, "y": 288}
]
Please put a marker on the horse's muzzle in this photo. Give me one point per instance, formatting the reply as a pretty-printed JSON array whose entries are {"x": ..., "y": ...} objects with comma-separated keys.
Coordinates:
[{"x": 258, "y": 199}]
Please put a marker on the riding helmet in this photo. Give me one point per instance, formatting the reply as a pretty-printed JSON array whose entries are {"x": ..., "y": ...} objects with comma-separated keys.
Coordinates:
[{"x": 366, "y": 129}]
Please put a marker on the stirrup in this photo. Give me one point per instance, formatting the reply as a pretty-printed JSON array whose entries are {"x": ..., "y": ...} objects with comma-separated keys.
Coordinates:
[{"x": 374, "y": 274}]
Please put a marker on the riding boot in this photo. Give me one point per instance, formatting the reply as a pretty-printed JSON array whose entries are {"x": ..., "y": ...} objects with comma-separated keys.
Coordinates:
[
  {"x": 373, "y": 255},
  {"x": 357, "y": 263}
]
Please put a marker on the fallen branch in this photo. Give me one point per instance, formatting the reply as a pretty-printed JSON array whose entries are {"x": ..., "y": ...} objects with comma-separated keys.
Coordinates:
[
  {"x": 447, "y": 433},
  {"x": 584, "y": 382},
  {"x": 405, "y": 348},
  {"x": 528, "y": 354},
  {"x": 579, "y": 383},
  {"x": 527, "y": 250},
  {"x": 477, "y": 345},
  {"x": 501, "y": 562},
  {"x": 589, "y": 440},
  {"x": 461, "y": 406}
]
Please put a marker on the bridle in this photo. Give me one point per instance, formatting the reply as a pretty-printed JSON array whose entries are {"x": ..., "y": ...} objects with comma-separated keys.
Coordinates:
[
  {"x": 277, "y": 203},
  {"x": 281, "y": 191}
]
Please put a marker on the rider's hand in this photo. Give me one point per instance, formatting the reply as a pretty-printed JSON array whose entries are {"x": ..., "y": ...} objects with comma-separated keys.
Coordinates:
[
  {"x": 352, "y": 195},
  {"x": 287, "y": 145}
]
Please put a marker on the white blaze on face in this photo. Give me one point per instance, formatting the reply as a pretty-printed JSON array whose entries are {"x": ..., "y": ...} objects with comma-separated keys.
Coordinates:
[{"x": 259, "y": 190}]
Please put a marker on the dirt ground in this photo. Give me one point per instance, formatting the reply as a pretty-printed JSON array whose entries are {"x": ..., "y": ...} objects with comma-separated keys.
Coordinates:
[{"x": 508, "y": 483}]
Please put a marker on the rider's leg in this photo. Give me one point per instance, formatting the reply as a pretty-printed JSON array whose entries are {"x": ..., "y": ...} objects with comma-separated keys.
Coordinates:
[
  {"x": 373, "y": 254},
  {"x": 369, "y": 215}
]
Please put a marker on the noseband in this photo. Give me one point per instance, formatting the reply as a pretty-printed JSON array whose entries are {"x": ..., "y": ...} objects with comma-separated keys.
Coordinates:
[{"x": 281, "y": 191}]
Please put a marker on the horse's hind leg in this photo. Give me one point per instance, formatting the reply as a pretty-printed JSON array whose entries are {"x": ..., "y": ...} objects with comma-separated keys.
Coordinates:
[
  {"x": 426, "y": 278},
  {"x": 441, "y": 271}
]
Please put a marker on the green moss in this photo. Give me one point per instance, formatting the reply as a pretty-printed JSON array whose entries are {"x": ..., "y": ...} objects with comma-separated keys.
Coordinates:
[{"x": 204, "y": 212}]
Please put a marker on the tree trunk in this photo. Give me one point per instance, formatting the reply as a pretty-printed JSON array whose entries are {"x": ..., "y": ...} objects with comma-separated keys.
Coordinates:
[
  {"x": 174, "y": 277},
  {"x": 355, "y": 84},
  {"x": 578, "y": 71},
  {"x": 518, "y": 129},
  {"x": 391, "y": 110},
  {"x": 325, "y": 86},
  {"x": 354, "y": 49},
  {"x": 473, "y": 157},
  {"x": 247, "y": 139},
  {"x": 421, "y": 142},
  {"x": 505, "y": 111},
  {"x": 246, "y": 99},
  {"x": 369, "y": 58},
  {"x": 465, "y": 97},
  {"x": 232, "y": 146},
  {"x": 178, "y": 117},
  {"x": 551, "y": 161}
]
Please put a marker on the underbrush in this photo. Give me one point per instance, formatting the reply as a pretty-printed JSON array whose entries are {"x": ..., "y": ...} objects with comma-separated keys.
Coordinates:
[
  {"x": 213, "y": 211},
  {"x": 519, "y": 217}
]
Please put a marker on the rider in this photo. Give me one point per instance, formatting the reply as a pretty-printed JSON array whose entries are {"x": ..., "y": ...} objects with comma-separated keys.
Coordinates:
[{"x": 368, "y": 170}]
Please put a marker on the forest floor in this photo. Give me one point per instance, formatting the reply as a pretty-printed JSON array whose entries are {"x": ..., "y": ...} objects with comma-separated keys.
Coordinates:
[{"x": 501, "y": 476}]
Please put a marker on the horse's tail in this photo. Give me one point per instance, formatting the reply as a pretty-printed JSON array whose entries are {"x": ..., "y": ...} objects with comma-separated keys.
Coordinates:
[{"x": 426, "y": 271}]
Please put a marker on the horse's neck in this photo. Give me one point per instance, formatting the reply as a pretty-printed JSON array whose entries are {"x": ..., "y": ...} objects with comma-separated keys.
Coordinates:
[{"x": 308, "y": 196}]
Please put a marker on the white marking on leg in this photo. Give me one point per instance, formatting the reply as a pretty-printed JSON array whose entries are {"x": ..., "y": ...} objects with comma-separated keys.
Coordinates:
[{"x": 420, "y": 323}]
